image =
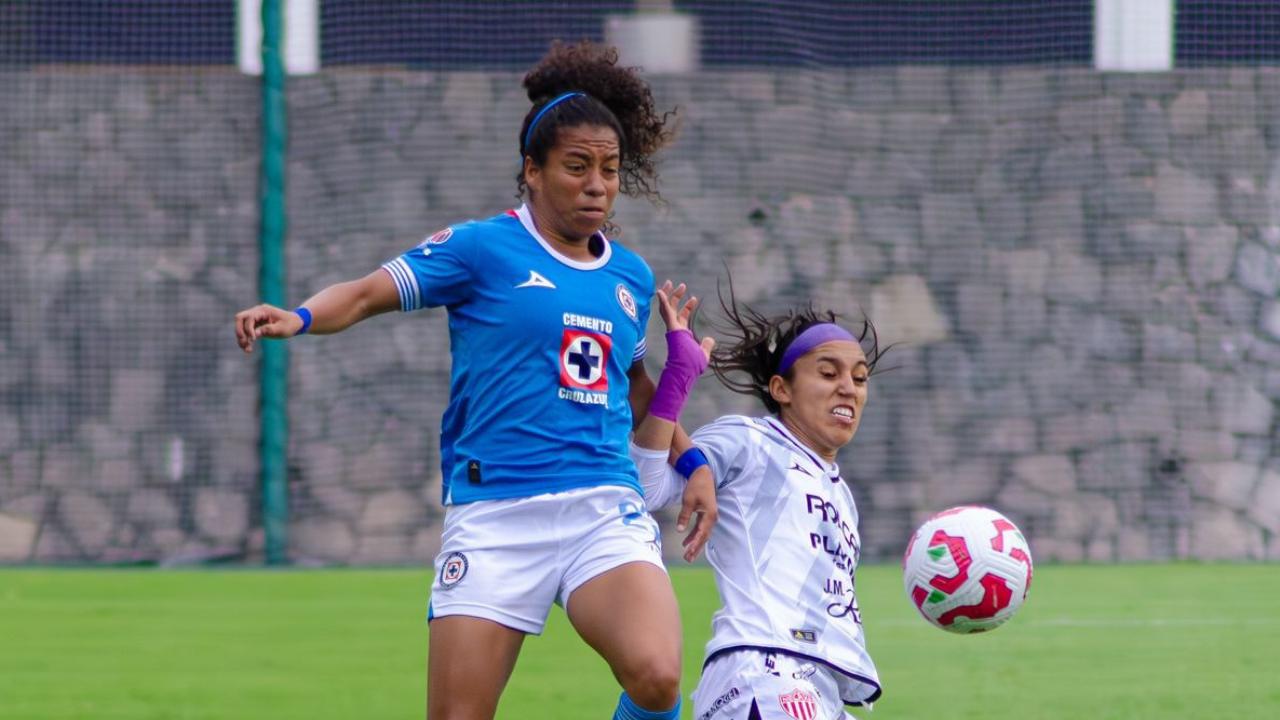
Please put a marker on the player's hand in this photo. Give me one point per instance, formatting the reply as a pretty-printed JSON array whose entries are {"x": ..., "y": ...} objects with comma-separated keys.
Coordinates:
[
  {"x": 699, "y": 499},
  {"x": 677, "y": 316},
  {"x": 265, "y": 321}
]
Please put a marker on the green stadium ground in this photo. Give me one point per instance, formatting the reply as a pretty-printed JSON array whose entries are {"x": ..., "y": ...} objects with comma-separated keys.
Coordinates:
[{"x": 1146, "y": 641}]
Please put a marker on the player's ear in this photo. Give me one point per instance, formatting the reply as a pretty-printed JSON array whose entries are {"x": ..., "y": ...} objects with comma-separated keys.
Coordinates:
[
  {"x": 780, "y": 390},
  {"x": 532, "y": 174}
]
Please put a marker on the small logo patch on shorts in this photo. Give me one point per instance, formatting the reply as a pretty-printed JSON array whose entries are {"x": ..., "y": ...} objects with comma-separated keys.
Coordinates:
[
  {"x": 799, "y": 704},
  {"x": 453, "y": 570}
]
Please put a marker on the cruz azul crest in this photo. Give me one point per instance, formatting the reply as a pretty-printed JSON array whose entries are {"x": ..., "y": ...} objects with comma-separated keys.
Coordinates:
[
  {"x": 453, "y": 569},
  {"x": 626, "y": 301}
]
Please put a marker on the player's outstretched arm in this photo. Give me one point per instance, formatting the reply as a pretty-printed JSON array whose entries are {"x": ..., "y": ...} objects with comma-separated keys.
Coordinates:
[
  {"x": 331, "y": 310},
  {"x": 686, "y": 359}
]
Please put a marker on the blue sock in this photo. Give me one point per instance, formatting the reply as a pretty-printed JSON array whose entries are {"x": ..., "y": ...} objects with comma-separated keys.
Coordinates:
[{"x": 628, "y": 710}]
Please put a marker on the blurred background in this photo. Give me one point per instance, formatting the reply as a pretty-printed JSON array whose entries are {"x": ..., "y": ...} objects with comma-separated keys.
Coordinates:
[{"x": 1066, "y": 215}]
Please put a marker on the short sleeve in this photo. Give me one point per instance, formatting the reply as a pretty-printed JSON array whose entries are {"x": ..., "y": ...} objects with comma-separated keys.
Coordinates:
[
  {"x": 437, "y": 272},
  {"x": 727, "y": 443},
  {"x": 642, "y": 348},
  {"x": 643, "y": 307}
]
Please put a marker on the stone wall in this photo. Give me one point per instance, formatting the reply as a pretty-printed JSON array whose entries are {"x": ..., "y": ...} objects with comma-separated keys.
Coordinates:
[
  {"x": 127, "y": 237},
  {"x": 1081, "y": 274}
]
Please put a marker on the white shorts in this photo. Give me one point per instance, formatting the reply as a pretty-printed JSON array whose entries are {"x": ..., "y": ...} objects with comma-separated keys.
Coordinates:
[
  {"x": 761, "y": 685},
  {"x": 509, "y": 560}
]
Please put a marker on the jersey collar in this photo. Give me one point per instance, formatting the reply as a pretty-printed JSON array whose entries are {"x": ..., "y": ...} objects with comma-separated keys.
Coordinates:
[
  {"x": 831, "y": 469},
  {"x": 526, "y": 219}
]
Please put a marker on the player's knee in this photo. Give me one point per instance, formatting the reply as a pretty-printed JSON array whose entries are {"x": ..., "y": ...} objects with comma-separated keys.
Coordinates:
[{"x": 655, "y": 685}]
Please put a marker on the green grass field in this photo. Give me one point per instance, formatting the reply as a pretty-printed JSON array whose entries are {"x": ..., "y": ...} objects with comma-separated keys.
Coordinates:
[{"x": 1145, "y": 641}]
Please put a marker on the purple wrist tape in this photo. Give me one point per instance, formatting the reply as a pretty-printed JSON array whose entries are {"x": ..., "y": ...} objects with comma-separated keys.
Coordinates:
[{"x": 685, "y": 362}]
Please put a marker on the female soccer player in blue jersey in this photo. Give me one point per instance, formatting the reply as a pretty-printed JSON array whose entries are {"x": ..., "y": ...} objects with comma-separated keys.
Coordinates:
[
  {"x": 547, "y": 321},
  {"x": 787, "y": 642}
]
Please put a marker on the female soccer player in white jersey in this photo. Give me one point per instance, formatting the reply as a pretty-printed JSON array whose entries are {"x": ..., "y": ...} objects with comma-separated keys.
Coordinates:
[
  {"x": 787, "y": 642},
  {"x": 547, "y": 321}
]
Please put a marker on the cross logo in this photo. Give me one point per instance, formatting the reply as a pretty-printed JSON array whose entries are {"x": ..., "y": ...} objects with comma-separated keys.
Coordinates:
[
  {"x": 584, "y": 360},
  {"x": 453, "y": 569}
]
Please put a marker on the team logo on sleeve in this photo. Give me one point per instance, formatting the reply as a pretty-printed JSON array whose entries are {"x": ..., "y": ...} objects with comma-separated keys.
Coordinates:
[
  {"x": 799, "y": 704},
  {"x": 626, "y": 300},
  {"x": 453, "y": 570},
  {"x": 436, "y": 239},
  {"x": 584, "y": 360},
  {"x": 440, "y": 237}
]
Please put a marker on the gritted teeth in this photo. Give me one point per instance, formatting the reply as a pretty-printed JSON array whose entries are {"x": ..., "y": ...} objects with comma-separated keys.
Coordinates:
[{"x": 843, "y": 411}]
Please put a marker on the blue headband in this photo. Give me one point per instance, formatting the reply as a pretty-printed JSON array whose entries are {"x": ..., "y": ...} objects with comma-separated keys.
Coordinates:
[
  {"x": 534, "y": 123},
  {"x": 811, "y": 338}
]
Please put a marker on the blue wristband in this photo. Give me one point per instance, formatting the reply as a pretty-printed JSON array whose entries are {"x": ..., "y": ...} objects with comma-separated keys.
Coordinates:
[
  {"x": 305, "y": 314},
  {"x": 690, "y": 460}
]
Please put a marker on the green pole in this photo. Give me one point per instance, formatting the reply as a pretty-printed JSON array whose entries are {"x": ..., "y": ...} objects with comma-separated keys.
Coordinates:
[{"x": 274, "y": 377}]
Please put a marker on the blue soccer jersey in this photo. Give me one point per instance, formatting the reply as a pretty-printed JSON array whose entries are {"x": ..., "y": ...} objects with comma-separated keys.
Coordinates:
[{"x": 541, "y": 345}]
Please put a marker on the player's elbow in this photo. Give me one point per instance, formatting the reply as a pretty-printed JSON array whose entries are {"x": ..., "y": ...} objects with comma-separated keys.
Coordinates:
[{"x": 373, "y": 294}]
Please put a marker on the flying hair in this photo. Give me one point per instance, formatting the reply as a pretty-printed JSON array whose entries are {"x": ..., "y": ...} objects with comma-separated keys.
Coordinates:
[
  {"x": 612, "y": 96},
  {"x": 754, "y": 344}
]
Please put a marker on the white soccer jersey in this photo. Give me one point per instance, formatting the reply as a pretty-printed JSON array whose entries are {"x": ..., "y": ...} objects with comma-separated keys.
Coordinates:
[{"x": 784, "y": 549}]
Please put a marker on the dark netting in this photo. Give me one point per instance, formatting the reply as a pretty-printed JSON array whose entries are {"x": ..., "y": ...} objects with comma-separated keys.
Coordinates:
[
  {"x": 1213, "y": 32},
  {"x": 494, "y": 33},
  {"x": 128, "y": 215},
  {"x": 1080, "y": 269}
]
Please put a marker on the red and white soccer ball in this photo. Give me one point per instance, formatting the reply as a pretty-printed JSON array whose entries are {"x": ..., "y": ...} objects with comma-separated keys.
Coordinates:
[{"x": 967, "y": 569}]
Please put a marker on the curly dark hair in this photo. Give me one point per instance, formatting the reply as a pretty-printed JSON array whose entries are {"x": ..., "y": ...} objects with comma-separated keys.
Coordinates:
[
  {"x": 614, "y": 97},
  {"x": 755, "y": 344}
]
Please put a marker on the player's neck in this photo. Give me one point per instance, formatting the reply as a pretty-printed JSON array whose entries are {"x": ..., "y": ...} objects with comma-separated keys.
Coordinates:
[
  {"x": 579, "y": 249},
  {"x": 827, "y": 456}
]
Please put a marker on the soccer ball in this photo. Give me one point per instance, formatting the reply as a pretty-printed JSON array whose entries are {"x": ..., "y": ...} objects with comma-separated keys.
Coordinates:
[{"x": 967, "y": 569}]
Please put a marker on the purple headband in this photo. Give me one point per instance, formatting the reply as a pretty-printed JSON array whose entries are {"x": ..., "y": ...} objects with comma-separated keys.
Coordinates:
[{"x": 811, "y": 338}]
